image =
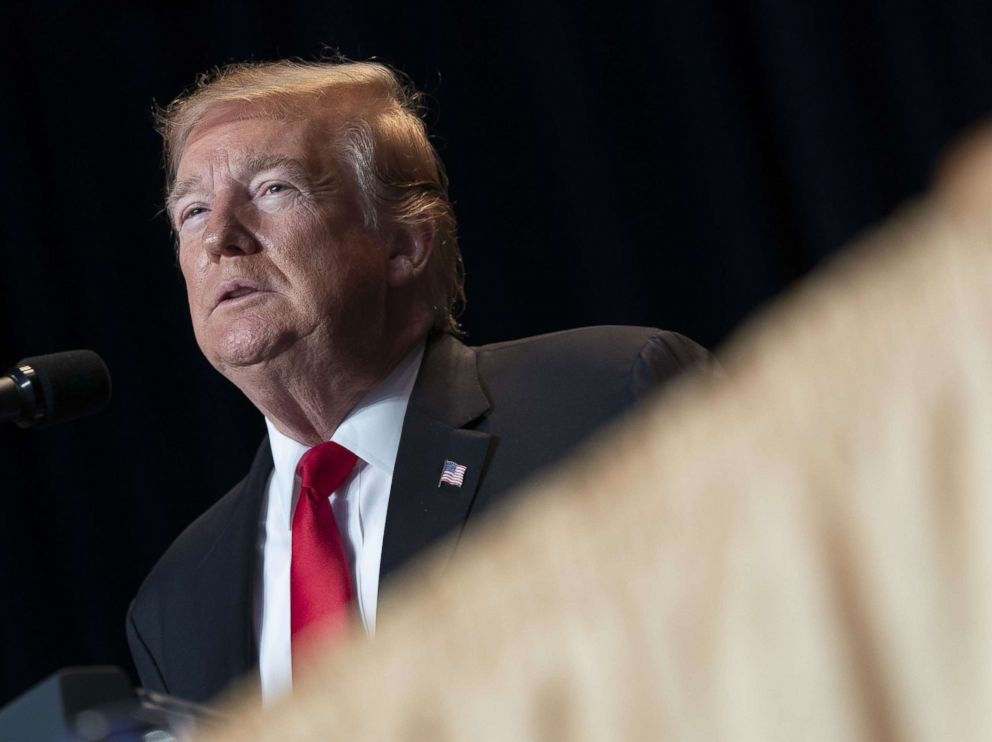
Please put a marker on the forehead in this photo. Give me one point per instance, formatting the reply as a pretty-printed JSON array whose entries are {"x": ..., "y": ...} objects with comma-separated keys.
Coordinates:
[{"x": 234, "y": 140}]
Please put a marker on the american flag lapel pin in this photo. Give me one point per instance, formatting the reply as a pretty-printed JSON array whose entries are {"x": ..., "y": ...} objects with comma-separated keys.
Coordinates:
[{"x": 452, "y": 473}]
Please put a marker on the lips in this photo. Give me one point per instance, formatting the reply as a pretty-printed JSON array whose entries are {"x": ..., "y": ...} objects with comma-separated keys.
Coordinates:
[{"x": 232, "y": 290}]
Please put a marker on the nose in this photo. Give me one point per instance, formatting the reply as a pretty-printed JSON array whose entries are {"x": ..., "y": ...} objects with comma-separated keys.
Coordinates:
[{"x": 226, "y": 234}]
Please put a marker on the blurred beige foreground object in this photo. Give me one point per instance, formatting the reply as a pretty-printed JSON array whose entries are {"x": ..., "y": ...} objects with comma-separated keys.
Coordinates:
[{"x": 799, "y": 550}]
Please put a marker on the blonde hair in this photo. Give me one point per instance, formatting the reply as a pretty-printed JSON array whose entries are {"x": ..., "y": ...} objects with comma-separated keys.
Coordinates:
[{"x": 383, "y": 145}]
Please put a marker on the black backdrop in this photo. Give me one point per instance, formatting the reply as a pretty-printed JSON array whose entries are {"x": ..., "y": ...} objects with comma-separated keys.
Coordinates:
[{"x": 669, "y": 163}]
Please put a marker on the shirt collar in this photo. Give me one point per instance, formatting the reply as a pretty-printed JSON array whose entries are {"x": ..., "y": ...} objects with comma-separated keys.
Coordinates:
[{"x": 371, "y": 430}]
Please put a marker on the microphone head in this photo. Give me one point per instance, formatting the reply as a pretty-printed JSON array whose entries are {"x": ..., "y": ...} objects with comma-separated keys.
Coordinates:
[{"x": 70, "y": 384}]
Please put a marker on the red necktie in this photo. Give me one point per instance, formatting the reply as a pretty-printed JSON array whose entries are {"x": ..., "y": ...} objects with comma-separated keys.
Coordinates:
[{"x": 320, "y": 583}]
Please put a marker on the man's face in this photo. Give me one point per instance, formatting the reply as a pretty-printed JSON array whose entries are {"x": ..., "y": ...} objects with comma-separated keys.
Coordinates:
[{"x": 272, "y": 244}]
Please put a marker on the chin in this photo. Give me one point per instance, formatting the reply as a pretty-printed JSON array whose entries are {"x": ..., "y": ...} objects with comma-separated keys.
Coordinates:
[{"x": 245, "y": 344}]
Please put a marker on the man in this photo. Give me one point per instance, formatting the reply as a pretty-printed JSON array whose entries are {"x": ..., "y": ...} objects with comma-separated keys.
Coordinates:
[{"x": 318, "y": 246}]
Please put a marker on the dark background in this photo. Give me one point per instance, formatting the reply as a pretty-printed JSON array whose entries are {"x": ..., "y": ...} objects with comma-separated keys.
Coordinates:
[{"x": 669, "y": 163}]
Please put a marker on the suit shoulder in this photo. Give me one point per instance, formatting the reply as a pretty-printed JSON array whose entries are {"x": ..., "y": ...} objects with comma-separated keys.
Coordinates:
[
  {"x": 580, "y": 337},
  {"x": 616, "y": 350},
  {"x": 549, "y": 393},
  {"x": 600, "y": 370}
]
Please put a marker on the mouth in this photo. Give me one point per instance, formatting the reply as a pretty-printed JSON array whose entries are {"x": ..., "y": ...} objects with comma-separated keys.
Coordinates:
[{"x": 233, "y": 291}]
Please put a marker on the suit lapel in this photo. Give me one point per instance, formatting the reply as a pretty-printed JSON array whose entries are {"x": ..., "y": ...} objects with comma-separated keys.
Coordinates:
[
  {"x": 229, "y": 647},
  {"x": 446, "y": 398}
]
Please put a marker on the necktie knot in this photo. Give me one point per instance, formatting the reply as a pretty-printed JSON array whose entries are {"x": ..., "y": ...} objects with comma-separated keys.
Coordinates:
[{"x": 325, "y": 467}]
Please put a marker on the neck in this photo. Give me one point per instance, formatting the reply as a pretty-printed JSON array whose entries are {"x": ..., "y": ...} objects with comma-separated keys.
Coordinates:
[{"x": 308, "y": 393}]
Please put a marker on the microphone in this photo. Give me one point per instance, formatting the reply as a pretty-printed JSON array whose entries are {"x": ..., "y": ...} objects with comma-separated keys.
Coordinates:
[{"x": 54, "y": 388}]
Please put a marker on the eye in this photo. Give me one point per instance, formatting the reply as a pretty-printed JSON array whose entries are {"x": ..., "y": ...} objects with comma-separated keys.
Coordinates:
[
  {"x": 275, "y": 188},
  {"x": 190, "y": 213}
]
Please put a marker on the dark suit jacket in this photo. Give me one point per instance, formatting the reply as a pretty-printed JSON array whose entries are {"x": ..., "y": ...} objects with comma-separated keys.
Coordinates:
[{"x": 504, "y": 411}]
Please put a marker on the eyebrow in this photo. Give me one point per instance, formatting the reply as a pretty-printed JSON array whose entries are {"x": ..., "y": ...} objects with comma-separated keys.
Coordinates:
[
  {"x": 249, "y": 166},
  {"x": 180, "y": 189}
]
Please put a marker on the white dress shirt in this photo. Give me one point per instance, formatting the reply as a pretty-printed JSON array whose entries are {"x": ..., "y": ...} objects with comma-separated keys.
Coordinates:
[{"x": 372, "y": 432}]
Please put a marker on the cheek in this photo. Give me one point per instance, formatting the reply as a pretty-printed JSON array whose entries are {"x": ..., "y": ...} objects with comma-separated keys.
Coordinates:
[
  {"x": 308, "y": 254},
  {"x": 193, "y": 277},
  {"x": 189, "y": 278}
]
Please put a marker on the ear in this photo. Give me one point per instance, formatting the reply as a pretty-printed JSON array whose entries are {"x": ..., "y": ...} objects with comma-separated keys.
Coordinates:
[{"x": 410, "y": 250}]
